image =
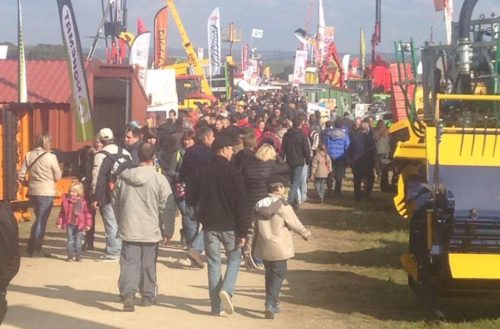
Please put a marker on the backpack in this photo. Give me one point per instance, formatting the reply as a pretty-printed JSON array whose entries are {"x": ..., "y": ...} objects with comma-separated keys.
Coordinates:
[{"x": 120, "y": 162}]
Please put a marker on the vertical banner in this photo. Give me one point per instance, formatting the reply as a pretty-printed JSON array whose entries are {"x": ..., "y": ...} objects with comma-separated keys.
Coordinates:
[
  {"x": 139, "y": 54},
  {"x": 320, "y": 46},
  {"x": 448, "y": 20},
  {"x": 362, "y": 51},
  {"x": 161, "y": 25},
  {"x": 71, "y": 39},
  {"x": 244, "y": 57},
  {"x": 200, "y": 52},
  {"x": 299, "y": 69},
  {"x": 214, "y": 42},
  {"x": 23, "y": 89}
]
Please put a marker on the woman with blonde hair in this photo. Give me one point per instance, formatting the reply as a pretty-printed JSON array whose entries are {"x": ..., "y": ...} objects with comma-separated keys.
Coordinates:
[
  {"x": 265, "y": 164},
  {"x": 40, "y": 171}
]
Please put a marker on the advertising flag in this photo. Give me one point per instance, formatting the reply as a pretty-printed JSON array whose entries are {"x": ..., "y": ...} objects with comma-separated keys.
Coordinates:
[
  {"x": 362, "y": 50},
  {"x": 448, "y": 19},
  {"x": 214, "y": 42},
  {"x": 23, "y": 89},
  {"x": 244, "y": 57},
  {"x": 71, "y": 39},
  {"x": 161, "y": 25},
  {"x": 299, "y": 69},
  {"x": 257, "y": 33},
  {"x": 139, "y": 54}
]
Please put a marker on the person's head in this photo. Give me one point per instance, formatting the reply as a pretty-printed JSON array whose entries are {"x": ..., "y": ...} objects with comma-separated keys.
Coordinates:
[
  {"x": 218, "y": 124},
  {"x": 205, "y": 135},
  {"x": 188, "y": 139},
  {"x": 261, "y": 124},
  {"x": 97, "y": 145},
  {"x": 106, "y": 136},
  {"x": 338, "y": 123},
  {"x": 347, "y": 115},
  {"x": 149, "y": 134},
  {"x": 357, "y": 122},
  {"x": 249, "y": 141},
  {"x": 298, "y": 121},
  {"x": 277, "y": 185},
  {"x": 172, "y": 115},
  {"x": 277, "y": 112},
  {"x": 44, "y": 141},
  {"x": 223, "y": 146},
  {"x": 132, "y": 135},
  {"x": 365, "y": 127},
  {"x": 266, "y": 152},
  {"x": 380, "y": 124},
  {"x": 147, "y": 152},
  {"x": 76, "y": 189},
  {"x": 322, "y": 147}
]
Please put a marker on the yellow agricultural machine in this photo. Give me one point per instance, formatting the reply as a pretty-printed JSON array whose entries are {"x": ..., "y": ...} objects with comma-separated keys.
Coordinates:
[{"x": 449, "y": 165}]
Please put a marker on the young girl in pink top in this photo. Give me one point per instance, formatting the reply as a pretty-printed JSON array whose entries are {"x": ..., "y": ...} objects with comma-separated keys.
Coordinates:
[{"x": 75, "y": 217}]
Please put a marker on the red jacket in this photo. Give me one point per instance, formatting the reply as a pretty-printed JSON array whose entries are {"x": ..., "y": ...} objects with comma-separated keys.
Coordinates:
[{"x": 84, "y": 218}]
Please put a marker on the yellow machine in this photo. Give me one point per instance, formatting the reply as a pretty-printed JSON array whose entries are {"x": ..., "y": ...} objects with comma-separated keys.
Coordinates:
[
  {"x": 193, "y": 90},
  {"x": 449, "y": 164}
]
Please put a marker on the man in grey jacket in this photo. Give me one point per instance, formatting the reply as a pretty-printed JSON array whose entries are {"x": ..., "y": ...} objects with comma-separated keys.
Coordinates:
[{"x": 145, "y": 211}]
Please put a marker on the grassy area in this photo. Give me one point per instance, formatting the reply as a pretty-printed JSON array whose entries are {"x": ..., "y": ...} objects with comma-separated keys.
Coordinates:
[{"x": 358, "y": 274}]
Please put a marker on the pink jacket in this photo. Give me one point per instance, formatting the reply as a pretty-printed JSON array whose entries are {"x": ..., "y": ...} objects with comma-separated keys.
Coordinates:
[{"x": 83, "y": 219}]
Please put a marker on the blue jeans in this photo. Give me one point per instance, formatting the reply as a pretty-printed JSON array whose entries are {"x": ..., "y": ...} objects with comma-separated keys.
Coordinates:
[
  {"x": 320, "y": 185},
  {"x": 296, "y": 178},
  {"x": 303, "y": 185},
  {"x": 74, "y": 240},
  {"x": 42, "y": 205},
  {"x": 275, "y": 274},
  {"x": 113, "y": 242},
  {"x": 216, "y": 284},
  {"x": 190, "y": 227}
]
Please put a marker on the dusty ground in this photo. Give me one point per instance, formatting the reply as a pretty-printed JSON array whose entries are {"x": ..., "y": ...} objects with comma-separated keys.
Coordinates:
[{"x": 347, "y": 276}]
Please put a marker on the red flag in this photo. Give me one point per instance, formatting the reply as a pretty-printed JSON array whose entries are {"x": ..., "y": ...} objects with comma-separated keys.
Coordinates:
[{"x": 141, "y": 27}]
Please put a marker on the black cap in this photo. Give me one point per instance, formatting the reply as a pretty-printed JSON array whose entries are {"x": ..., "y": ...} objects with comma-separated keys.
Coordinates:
[
  {"x": 277, "y": 180},
  {"x": 222, "y": 141}
]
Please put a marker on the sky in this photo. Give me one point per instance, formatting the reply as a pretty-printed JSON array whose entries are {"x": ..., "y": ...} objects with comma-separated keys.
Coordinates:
[{"x": 401, "y": 20}]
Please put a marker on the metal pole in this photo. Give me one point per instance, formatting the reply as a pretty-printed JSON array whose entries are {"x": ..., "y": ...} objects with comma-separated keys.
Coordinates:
[{"x": 96, "y": 38}]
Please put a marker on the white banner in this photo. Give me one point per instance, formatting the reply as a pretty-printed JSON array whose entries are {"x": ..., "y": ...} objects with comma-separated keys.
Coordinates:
[
  {"x": 162, "y": 90},
  {"x": 3, "y": 51},
  {"x": 139, "y": 55},
  {"x": 257, "y": 33},
  {"x": 214, "y": 42},
  {"x": 200, "y": 53},
  {"x": 299, "y": 69}
]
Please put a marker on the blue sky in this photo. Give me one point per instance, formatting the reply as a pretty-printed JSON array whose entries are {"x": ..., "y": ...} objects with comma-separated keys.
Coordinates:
[{"x": 401, "y": 20}]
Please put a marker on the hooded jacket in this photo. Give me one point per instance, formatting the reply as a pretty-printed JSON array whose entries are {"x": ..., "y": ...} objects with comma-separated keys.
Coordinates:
[
  {"x": 143, "y": 205},
  {"x": 274, "y": 219},
  {"x": 337, "y": 142}
]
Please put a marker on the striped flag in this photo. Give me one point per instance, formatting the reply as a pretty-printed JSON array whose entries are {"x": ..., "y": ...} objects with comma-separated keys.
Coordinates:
[
  {"x": 23, "y": 89},
  {"x": 71, "y": 39}
]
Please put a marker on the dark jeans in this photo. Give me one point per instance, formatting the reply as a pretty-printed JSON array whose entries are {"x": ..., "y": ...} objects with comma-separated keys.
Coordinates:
[
  {"x": 362, "y": 173},
  {"x": 275, "y": 274},
  {"x": 74, "y": 241},
  {"x": 337, "y": 175},
  {"x": 3, "y": 303},
  {"x": 138, "y": 269},
  {"x": 42, "y": 205},
  {"x": 89, "y": 235}
]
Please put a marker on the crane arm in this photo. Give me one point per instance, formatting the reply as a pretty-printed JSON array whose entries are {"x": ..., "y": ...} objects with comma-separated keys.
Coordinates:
[{"x": 188, "y": 47}]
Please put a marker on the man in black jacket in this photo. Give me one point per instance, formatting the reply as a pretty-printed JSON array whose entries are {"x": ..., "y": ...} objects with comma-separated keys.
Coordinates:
[
  {"x": 9, "y": 252},
  {"x": 297, "y": 153},
  {"x": 191, "y": 172},
  {"x": 222, "y": 213}
]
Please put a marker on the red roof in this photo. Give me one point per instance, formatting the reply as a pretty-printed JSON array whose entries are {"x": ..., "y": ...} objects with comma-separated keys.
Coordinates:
[{"x": 47, "y": 81}]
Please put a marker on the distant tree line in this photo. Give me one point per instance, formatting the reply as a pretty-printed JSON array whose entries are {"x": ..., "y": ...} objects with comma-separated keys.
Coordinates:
[{"x": 38, "y": 52}]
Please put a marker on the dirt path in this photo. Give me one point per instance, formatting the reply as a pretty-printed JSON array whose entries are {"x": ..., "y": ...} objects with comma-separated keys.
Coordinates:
[
  {"x": 347, "y": 276},
  {"x": 53, "y": 293}
]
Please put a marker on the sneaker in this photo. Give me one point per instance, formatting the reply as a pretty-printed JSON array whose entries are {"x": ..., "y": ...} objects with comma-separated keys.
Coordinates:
[
  {"x": 259, "y": 266},
  {"x": 78, "y": 258},
  {"x": 195, "y": 256},
  {"x": 249, "y": 262},
  {"x": 108, "y": 258},
  {"x": 146, "y": 301},
  {"x": 69, "y": 259},
  {"x": 269, "y": 314},
  {"x": 129, "y": 304},
  {"x": 41, "y": 254},
  {"x": 226, "y": 302}
]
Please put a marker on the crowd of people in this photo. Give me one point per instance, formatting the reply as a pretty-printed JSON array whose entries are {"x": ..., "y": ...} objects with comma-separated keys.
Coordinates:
[{"x": 236, "y": 173}]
